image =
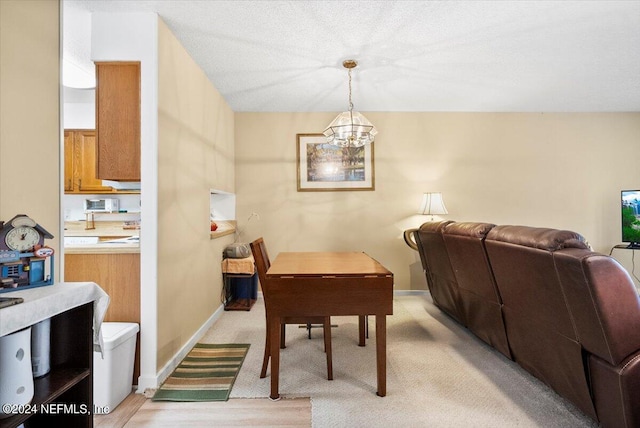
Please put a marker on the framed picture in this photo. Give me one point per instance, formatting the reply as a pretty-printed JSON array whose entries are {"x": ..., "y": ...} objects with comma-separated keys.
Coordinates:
[{"x": 323, "y": 167}]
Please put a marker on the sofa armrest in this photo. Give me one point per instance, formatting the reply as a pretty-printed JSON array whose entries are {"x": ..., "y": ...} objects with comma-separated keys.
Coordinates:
[{"x": 616, "y": 391}]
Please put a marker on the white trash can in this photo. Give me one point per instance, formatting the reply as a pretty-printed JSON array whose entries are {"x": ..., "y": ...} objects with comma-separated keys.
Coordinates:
[{"x": 112, "y": 374}]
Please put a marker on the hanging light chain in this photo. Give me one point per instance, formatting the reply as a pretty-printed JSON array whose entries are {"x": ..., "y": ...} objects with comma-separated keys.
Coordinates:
[
  {"x": 353, "y": 130},
  {"x": 350, "y": 102}
]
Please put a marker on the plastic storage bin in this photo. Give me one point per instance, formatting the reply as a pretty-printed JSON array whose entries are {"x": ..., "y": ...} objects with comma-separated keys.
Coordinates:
[
  {"x": 244, "y": 288},
  {"x": 16, "y": 385},
  {"x": 112, "y": 374}
]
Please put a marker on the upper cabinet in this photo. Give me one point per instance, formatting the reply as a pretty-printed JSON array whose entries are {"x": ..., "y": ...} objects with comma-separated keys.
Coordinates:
[
  {"x": 80, "y": 163},
  {"x": 69, "y": 184},
  {"x": 118, "y": 121}
]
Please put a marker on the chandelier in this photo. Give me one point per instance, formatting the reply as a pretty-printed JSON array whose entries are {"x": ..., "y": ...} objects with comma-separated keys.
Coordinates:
[{"x": 350, "y": 128}]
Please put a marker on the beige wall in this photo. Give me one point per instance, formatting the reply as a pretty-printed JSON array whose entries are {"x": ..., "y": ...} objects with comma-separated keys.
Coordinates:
[
  {"x": 195, "y": 151},
  {"x": 548, "y": 170},
  {"x": 30, "y": 113}
]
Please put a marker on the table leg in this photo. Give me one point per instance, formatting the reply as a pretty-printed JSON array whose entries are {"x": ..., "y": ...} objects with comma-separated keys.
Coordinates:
[
  {"x": 381, "y": 354},
  {"x": 274, "y": 346},
  {"x": 362, "y": 320}
]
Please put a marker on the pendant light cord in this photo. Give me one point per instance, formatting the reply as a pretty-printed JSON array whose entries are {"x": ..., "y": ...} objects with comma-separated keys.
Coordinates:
[
  {"x": 350, "y": 102},
  {"x": 351, "y": 105}
]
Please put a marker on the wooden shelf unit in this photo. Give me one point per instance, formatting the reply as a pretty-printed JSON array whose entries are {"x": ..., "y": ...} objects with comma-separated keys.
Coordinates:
[
  {"x": 233, "y": 302},
  {"x": 70, "y": 381}
]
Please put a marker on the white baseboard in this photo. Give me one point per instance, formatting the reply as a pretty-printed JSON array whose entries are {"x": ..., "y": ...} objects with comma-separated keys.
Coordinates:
[
  {"x": 146, "y": 383},
  {"x": 152, "y": 382},
  {"x": 395, "y": 293}
]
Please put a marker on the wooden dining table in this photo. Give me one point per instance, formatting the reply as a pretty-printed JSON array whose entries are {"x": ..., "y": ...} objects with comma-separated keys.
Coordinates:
[{"x": 301, "y": 284}]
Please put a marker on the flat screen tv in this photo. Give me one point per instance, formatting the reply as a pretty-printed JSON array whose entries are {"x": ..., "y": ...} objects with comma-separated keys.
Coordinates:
[{"x": 630, "y": 202}]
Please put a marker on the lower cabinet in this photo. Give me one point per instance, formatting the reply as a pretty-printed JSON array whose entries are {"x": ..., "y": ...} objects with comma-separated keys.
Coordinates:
[{"x": 119, "y": 276}]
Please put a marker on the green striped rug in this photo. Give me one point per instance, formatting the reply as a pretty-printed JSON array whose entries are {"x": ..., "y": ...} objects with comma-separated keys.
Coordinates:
[{"x": 207, "y": 373}]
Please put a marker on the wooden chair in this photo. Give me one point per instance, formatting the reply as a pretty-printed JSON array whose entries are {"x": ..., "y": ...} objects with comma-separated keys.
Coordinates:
[{"x": 263, "y": 263}]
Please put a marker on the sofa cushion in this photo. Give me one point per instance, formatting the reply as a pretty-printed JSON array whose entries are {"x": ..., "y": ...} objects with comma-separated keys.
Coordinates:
[
  {"x": 480, "y": 301},
  {"x": 616, "y": 391},
  {"x": 469, "y": 229},
  {"x": 538, "y": 237},
  {"x": 440, "y": 277},
  {"x": 540, "y": 329},
  {"x": 603, "y": 303}
]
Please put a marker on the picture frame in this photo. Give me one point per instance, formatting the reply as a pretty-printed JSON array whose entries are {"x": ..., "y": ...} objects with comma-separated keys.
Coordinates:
[{"x": 323, "y": 167}]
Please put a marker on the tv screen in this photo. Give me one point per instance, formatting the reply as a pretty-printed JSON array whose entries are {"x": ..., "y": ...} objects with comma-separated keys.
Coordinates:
[{"x": 631, "y": 217}]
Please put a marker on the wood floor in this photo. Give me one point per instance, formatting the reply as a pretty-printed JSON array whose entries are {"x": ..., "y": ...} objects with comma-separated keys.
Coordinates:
[{"x": 138, "y": 411}]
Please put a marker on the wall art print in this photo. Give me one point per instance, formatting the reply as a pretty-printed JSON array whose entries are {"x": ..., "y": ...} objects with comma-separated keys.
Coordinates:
[{"x": 323, "y": 167}]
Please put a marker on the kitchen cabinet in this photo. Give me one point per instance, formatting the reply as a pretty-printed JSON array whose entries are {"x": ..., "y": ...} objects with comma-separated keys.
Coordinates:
[
  {"x": 68, "y": 162},
  {"x": 80, "y": 163},
  {"x": 119, "y": 276},
  {"x": 118, "y": 120}
]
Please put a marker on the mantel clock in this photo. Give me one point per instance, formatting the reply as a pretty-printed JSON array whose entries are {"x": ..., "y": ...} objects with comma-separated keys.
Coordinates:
[{"x": 25, "y": 262}]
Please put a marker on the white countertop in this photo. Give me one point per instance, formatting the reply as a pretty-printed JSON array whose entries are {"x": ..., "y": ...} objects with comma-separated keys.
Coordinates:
[
  {"x": 44, "y": 302},
  {"x": 106, "y": 238},
  {"x": 102, "y": 229},
  {"x": 102, "y": 249}
]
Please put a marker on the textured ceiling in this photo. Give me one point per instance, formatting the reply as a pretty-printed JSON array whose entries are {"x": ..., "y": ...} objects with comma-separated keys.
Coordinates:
[{"x": 496, "y": 56}]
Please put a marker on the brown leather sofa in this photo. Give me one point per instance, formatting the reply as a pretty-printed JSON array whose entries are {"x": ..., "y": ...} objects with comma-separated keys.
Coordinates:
[{"x": 541, "y": 297}]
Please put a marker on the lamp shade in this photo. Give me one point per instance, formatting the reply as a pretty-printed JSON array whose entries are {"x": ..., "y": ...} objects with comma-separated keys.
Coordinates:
[{"x": 432, "y": 204}]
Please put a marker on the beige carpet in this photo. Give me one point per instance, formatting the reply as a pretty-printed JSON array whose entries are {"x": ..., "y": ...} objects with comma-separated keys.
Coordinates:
[{"x": 438, "y": 374}]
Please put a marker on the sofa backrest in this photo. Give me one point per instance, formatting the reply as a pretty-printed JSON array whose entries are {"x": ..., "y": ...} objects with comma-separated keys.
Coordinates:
[
  {"x": 480, "y": 301},
  {"x": 435, "y": 261},
  {"x": 540, "y": 329},
  {"x": 522, "y": 261},
  {"x": 603, "y": 302}
]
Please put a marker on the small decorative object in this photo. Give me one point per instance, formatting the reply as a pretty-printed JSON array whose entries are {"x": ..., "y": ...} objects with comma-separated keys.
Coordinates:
[
  {"x": 326, "y": 167},
  {"x": 237, "y": 251},
  {"x": 131, "y": 225},
  {"x": 349, "y": 128},
  {"x": 23, "y": 255}
]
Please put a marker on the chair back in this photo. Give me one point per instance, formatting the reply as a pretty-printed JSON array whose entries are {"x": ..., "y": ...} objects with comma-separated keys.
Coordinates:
[{"x": 261, "y": 258}]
